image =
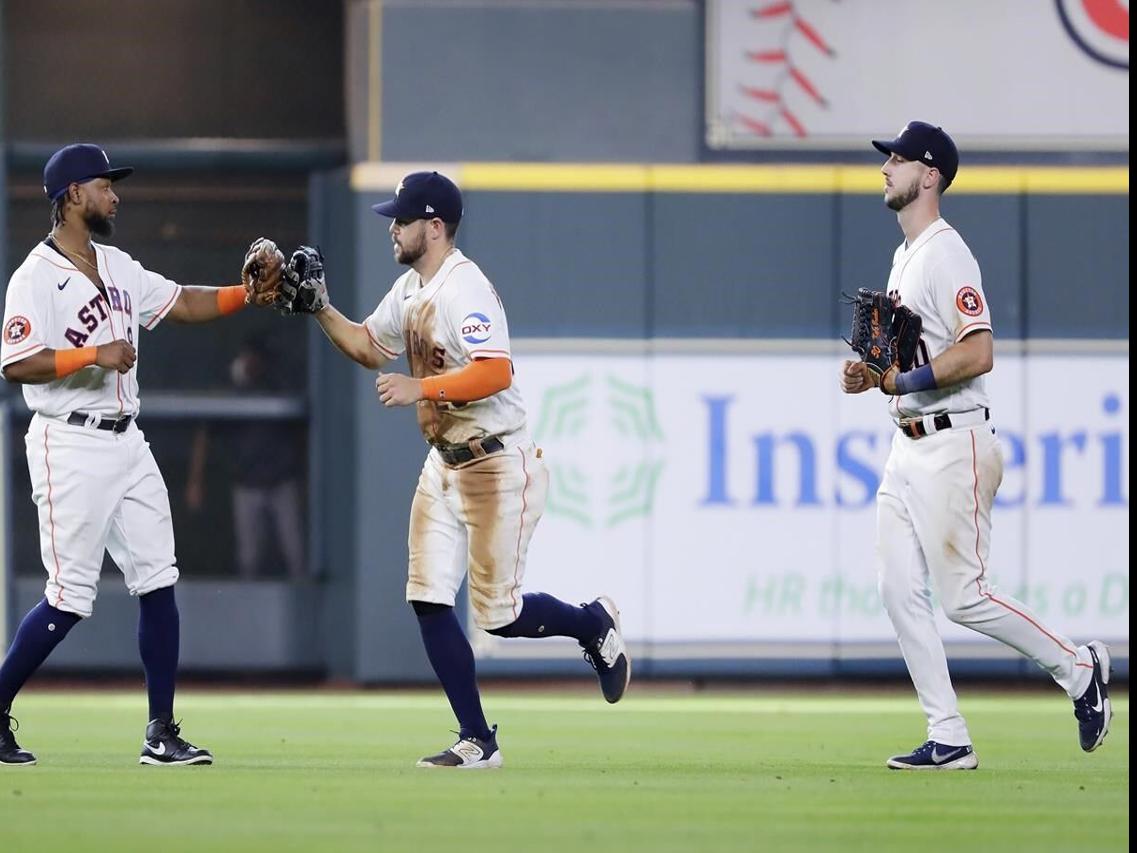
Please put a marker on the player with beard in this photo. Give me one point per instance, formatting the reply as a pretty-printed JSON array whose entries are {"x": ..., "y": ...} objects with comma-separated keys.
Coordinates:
[
  {"x": 944, "y": 467},
  {"x": 483, "y": 485},
  {"x": 71, "y": 318}
]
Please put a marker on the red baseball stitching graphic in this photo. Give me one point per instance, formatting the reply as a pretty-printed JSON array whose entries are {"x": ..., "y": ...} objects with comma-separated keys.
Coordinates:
[{"x": 773, "y": 97}]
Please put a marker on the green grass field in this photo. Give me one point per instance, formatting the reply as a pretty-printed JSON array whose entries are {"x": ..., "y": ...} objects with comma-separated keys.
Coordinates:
[{"x": 704, "y": 772}]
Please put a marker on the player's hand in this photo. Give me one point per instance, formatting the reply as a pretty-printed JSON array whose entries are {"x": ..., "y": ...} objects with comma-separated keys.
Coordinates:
[
  {"x": 395, "y": 389},
  {"x": 888, "y": 381},
  {"x": 856, "y": 377},
  {"x": 117, "y": 355}
]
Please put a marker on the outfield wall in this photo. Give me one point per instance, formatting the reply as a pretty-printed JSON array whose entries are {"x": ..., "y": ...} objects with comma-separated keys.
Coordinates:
[{"x": 675, "y": 334}]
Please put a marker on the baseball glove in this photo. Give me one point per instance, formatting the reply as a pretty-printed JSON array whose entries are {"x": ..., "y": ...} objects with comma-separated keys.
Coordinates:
[
  {"x": 906, "y": 328},
  {"x": 302, "y": 287},
  {"x": 261, "y": 273},
  {"x": 871, "y": 336}
]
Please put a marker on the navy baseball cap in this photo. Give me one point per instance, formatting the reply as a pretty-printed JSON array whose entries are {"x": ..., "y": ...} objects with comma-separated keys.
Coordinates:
[
  {"x": 926, "y": 143},
  {"x": 423, "y": 195},
  {"x": 77, "y": 164}
]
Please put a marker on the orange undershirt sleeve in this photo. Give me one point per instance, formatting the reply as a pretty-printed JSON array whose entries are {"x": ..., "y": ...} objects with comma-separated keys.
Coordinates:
[
  {"x": 476, "y": 381},
  {"x": 67, "y": 361},
  {"x": 230, "y": 299}
]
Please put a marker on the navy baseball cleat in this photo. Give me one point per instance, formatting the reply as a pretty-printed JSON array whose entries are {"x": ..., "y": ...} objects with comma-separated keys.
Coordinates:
[
  {"x": 936, "y": 756},
  {"x": 10, "y": 753},
  {"x": 1092, "y": 708},
  {"x": 165, "y": 747},
  {"x": 469, "y": 753},
  {"x": 607, "y": 653}
]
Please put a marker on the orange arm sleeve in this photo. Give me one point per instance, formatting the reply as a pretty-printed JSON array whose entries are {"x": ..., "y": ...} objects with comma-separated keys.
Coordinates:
[
  {"x": 230, "y": 299},
  {"x": 476, "y": 381},
  {"x": 67, "y": 361}
]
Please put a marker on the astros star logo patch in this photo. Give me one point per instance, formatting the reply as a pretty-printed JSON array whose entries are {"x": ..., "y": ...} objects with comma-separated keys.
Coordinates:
[
  {"x": 16, "y": 329},
  {"x": 969, "y": 301}
]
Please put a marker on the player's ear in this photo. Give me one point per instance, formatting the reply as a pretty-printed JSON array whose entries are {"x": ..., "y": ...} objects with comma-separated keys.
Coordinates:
[{"x": 73, "y": 193}]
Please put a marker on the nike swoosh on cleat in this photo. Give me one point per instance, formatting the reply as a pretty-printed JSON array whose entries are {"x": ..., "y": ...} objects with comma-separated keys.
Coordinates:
[
  {"x": 940, "y": 759},
  {"x": 64, "y": 283},
  {"x": 160, "y": 749}
]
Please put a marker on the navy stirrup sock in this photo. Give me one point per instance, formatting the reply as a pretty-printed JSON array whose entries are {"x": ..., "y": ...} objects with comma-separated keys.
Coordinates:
[
  {"x": 41, "y": 631},
  {"x": 545, "y": 616},
  {"x": 453, "y": 661},
  {"x": 159, "y": 628}
]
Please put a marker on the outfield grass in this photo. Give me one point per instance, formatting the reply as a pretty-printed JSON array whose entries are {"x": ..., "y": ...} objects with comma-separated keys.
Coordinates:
[{"x": 658, "y": 772}]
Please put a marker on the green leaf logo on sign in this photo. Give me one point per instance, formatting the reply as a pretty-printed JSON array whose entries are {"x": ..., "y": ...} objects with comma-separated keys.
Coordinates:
[{"x": 605, "y": 488}]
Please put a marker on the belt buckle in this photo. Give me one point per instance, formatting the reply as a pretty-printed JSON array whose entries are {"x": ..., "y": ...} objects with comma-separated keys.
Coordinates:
[{"x": 120, "y": 423}]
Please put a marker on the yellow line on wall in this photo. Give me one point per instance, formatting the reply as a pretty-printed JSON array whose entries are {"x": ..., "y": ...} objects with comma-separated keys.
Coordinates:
[
  {"x": 597, "y": 177},
  {"x": 737, "y": 178}
]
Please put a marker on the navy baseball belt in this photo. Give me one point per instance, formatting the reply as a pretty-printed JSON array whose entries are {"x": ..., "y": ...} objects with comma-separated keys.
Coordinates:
[
  {"x": 920, "y": 427},
  {"x": 475, "y": 448},
  {"x": 118, "y": 424}
]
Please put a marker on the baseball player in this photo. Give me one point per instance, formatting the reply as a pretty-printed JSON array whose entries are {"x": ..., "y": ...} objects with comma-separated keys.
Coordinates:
[
  {"x": 483, "y": 486},
  {"x": 944, "y": 467},
  {"x": 71, "y": 319}
]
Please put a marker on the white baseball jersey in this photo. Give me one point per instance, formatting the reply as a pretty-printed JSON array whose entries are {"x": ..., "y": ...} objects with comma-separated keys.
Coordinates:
[
  {"x": 96, "y": 490},
  {"x": 938, "y": 278},
  {"x": 477, "y": 518},
  {"x": 442, "y": 325},
  {"x": 935, "y": 499},
  {"x": 51, "y": 304}
]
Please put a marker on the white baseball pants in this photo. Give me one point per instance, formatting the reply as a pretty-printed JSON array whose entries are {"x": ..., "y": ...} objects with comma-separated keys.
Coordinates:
[
  {"x": 478, "y": 517},
  {"x": 98, "y": 491},
  {"x": 934, "y": 521}
]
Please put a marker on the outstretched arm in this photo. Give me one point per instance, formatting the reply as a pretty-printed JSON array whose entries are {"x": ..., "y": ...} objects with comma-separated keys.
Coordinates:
[
  {"x": 350, "y": 338},
  {"x": 202, "y": 304}
]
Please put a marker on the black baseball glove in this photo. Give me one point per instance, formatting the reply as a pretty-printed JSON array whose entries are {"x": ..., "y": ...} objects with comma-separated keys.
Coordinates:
[
  {"x": 906, "y": 328},
  {"x": 871, "y": 336},
  {"x": 302, "y": 288}
]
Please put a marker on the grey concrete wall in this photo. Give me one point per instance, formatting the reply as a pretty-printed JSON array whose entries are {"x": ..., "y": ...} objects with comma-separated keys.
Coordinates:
[
  {"x": 529, "y": 81},
  {"x": 765, "y": 265}
]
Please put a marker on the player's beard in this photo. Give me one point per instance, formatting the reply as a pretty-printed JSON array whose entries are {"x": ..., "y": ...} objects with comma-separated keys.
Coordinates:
[
  {"x": 407, "y": 253},
  {"x": 903, "y": 198},
  {"x": 97, "y": 224}
]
